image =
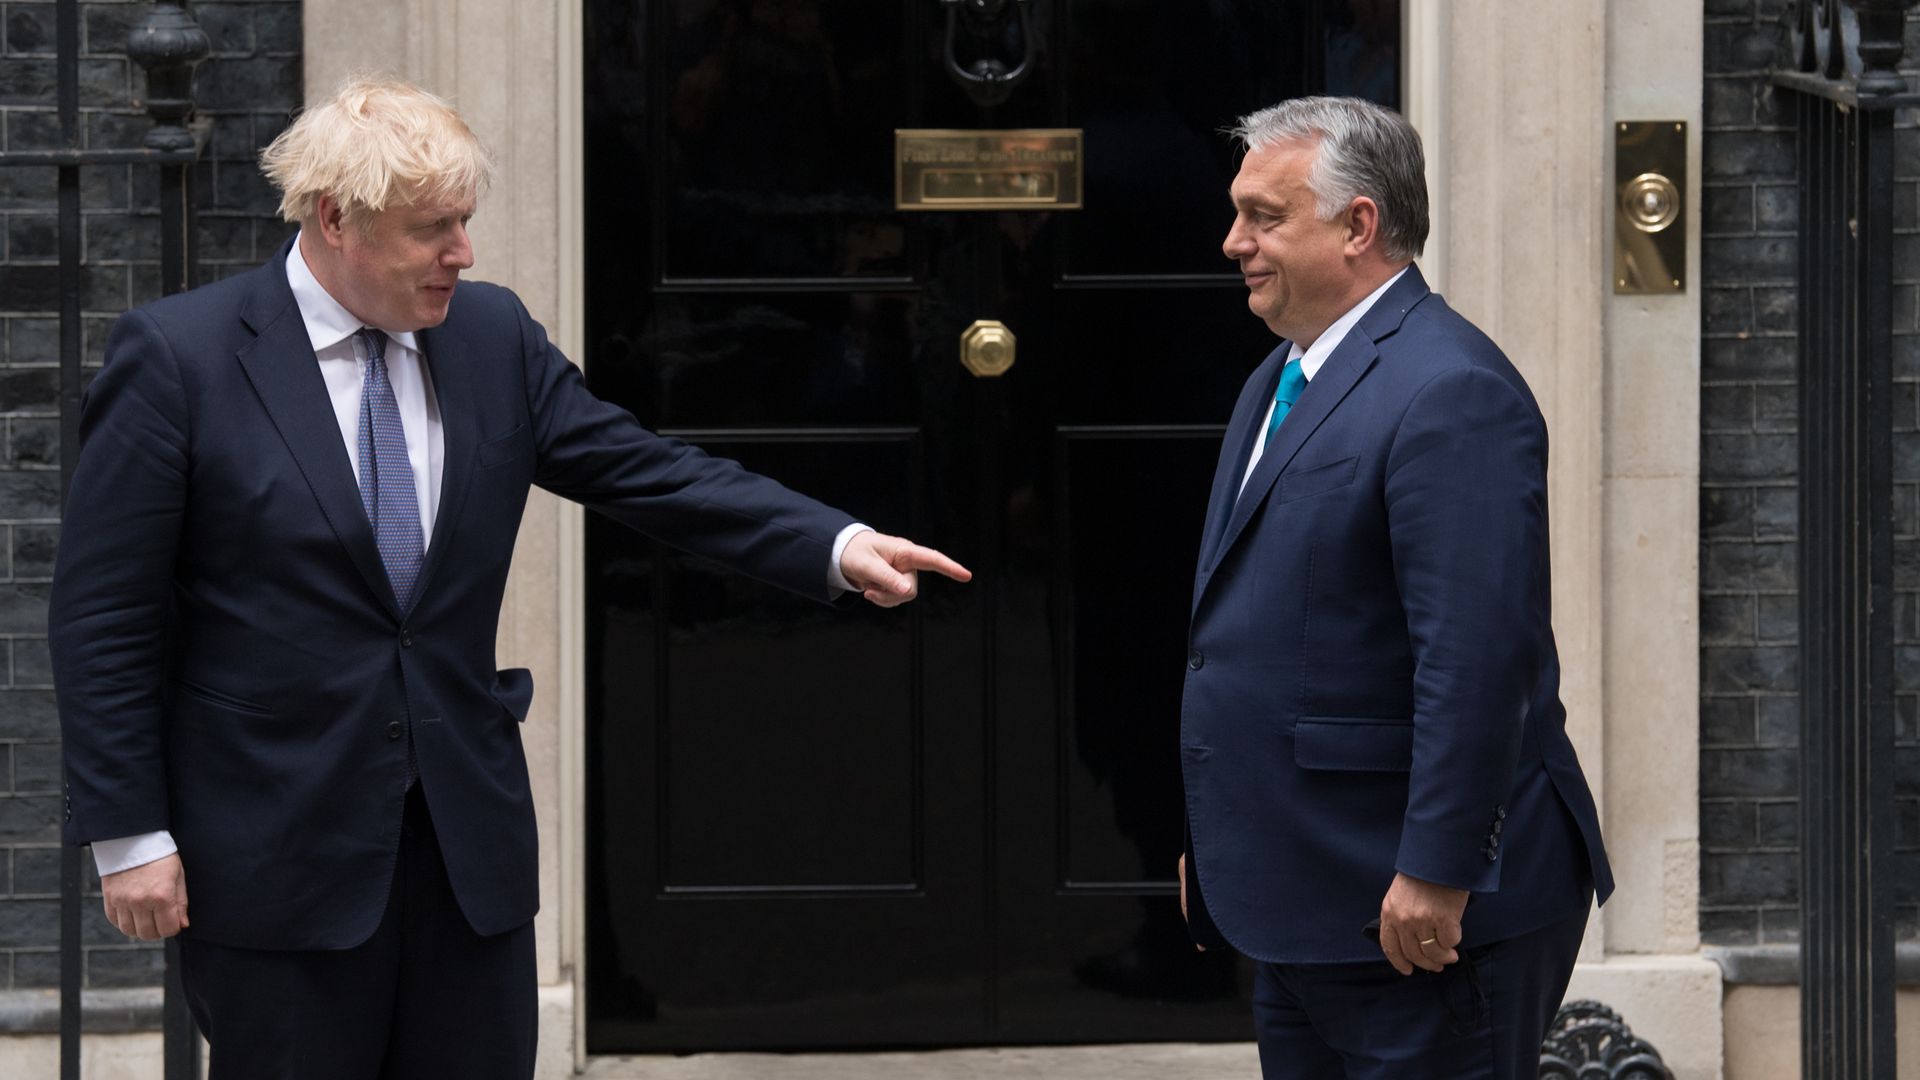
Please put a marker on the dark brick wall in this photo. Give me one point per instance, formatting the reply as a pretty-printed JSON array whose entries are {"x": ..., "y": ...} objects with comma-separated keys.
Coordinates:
[
  {"x": 248, "y": 88},
  {"x": 1749, "y": 719}
]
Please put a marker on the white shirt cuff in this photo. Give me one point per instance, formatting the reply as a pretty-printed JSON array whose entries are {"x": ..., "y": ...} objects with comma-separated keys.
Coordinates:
[
  {"x": 127, "y": 852},
  {"x": 835, "y": 579}
]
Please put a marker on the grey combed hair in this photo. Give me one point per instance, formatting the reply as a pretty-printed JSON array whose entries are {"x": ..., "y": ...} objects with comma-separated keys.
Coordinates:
[{"x": 1365, "y": 149}]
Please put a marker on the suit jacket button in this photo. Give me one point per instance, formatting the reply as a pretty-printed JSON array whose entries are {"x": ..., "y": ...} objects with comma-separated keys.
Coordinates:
[
  {"x": 406, "y": 639},
  {"x": 1500, "y": 813},
  {"x": 393, "y": 730},
  {"x": 1195, "y": 660}
]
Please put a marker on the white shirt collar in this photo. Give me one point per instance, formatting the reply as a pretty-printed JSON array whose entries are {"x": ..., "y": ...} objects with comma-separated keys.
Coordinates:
[
  {"x": 1323, "y": 346},
  {"x": 328, "y": 321}
]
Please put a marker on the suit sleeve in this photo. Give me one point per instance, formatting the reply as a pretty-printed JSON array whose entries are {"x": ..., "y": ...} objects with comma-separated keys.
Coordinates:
[
  {"x": 598, "y": 454},
  {"x": 1466, "y": 508},
  {"x": 112, "y": 584}
]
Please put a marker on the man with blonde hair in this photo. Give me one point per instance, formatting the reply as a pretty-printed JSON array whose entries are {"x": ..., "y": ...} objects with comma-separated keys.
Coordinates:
[{"x": 276, "y": 599}]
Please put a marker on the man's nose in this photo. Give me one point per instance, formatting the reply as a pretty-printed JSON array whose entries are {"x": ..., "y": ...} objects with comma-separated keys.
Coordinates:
[
  {"x": 1237, "y": 242},
  {"x": 459, "y": 254}
]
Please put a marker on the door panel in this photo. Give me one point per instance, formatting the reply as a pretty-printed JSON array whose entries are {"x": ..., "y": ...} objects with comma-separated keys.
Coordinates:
[
  {"x": 953, "y": 823},
  {"x": 769, "y": 167},
  {"x": 1152, "y": 84},
  {"x": 1114, "y": 700},
  {"x": 829, "y": 796},
  {"x": 761, "y": 785}
]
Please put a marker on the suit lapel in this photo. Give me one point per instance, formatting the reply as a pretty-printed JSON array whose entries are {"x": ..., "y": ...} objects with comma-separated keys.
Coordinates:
[
  {"x": 1235, "y": 447},
  {"x": 1326, "y": 390},
  {"x": 1352, "y": 359},
  {"x": 280, "y": 364},
  {"x": 442, "y": 347}
]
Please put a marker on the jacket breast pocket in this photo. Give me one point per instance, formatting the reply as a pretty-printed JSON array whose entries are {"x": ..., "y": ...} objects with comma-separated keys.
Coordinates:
[
  {"x": 1316, "y": 481},
  {"x": 509, "y": 447},
  {"x": 1353, "y": 744}
]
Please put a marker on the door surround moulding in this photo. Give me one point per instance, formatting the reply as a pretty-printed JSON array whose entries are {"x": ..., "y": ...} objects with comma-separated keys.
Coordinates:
[{"x": 1423, "y": 100}]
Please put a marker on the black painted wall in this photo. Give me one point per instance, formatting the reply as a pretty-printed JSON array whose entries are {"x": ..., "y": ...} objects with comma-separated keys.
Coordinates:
[
  {"x": 249, "y": 88},
  {"x": 1749, "y": 719}
]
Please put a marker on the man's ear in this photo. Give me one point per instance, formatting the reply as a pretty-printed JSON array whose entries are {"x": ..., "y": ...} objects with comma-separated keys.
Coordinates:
[
  {"x": 1363, "y": 226},
  {"x": 333, "y": 221}
]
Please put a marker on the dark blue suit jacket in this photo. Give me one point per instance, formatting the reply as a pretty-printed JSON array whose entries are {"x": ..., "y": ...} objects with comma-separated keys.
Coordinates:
[
  {"x": 1372, "y": 684},
  {"x": 230, "y": 661}
]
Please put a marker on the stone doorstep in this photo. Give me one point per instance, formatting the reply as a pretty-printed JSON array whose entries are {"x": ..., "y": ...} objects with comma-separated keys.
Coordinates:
[
  {"x": 36, "y": 1012},
  {"x": 1153, "y": 1061},
  {"x": 117, "y": 1012}
]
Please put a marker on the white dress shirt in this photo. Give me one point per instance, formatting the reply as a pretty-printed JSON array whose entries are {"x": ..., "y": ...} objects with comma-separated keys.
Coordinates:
[
  {"x": 333, "y": 330},
  {"x": 343, "y": 364},
  {"x": 1313, "y": 357}
]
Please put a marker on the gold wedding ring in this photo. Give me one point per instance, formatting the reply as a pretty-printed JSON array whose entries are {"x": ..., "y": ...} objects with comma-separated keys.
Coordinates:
[{"x": 1428, "y": 941}]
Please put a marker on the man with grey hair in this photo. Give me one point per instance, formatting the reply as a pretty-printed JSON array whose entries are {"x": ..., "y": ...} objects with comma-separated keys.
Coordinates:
[
  {"x": 1383, "y": 809},
  {"x": 274, "y": 612}
]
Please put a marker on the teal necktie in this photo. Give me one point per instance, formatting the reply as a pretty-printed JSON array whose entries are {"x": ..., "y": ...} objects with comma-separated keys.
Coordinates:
[{"x": 1292, "y": 381}]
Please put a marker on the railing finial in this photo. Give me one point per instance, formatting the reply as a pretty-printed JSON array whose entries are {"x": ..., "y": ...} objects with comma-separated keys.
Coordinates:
[
  {"x": 169, "y": 44},
  {"x": 1881, "y": 45},
  {"x": 1589, "y": 1040}
]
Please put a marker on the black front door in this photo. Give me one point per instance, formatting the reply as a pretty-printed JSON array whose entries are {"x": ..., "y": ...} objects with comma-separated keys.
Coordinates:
[{"x": 955, "y": 823}]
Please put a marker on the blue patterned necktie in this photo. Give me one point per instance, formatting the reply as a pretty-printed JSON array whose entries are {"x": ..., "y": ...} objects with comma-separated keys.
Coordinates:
[
  {"x": 386, "y": 475},
  {"x": 1292, "y": 380}
]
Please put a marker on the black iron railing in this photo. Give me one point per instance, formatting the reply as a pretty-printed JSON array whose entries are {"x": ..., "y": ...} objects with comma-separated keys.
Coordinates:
[
  {"x": 1839, "y": 63},
  {"x": 168, "y": 44}
]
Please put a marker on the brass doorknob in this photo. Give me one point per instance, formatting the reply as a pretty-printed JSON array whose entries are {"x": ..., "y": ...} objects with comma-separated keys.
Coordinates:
[{"x": 986, "y": 348}]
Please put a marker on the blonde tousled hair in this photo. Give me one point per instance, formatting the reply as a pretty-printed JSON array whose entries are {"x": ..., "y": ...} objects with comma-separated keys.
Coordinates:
[{"x": 377, "y": 142}]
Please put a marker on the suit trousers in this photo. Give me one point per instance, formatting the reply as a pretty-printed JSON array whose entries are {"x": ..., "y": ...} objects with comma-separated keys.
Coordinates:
[
  {"x": 1481, "y": 1018},
  {"x": 423, "y": 997}
]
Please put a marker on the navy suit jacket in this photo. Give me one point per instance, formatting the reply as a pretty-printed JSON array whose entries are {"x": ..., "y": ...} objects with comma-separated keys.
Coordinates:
[
  {"x": 230, "y": 660},
  {"x": 1372, "y": 681}
]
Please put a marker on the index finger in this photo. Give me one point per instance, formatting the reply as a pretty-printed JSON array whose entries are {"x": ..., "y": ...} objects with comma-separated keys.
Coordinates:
[{"x": 915, "y": 557}]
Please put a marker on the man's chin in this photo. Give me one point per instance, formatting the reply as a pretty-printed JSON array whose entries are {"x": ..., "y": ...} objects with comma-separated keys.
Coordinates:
[
  {"x": 1273, "y": 321},
  {"x": 1261, "y": 312},
  {"x": 430, "y": 317}
]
